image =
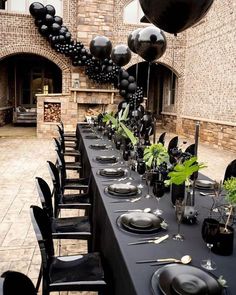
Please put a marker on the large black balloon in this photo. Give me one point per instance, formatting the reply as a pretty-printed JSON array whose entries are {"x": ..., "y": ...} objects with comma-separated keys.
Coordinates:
[
  {"x": 150, "y": 43},
  {"x": 49, "y": 19},
  {"x": 100, "y": 47},
  {"x": 131, "y": 39},
  {"x": 50, "y": 9},
  {"x": 174, "y": 16},
  {"x": 121, "y": 55},
  {"x": 37, "y": 9},
  {"x": 124, "y": 84},
  {"x": 55, "y": 28}
]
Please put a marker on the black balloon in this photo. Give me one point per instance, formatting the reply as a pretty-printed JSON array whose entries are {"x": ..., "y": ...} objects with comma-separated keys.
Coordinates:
[
  {"x": 49, "y": 19},
  {"x": 132, "y": 87},
  {"x": 121, "y": 55},
  {"x": 38, "y": 10},
  {"x": 100, "y": 47},
  {"x": 150, "y": 43},
  {"x": 38, "y": 22},
  {"x": 50, "y": 9},
  {"x": 131, "y": 39},
  {"x": 58, "y": 20},
  {"x": 131, "y": 79},
  {"x": 174, "y": 16},
  {"x": 43, "y": 30},
  {"x": 55, "y": 28},
  {"x": 124, "y": 74},
  {"x": 124, "y": 84}
]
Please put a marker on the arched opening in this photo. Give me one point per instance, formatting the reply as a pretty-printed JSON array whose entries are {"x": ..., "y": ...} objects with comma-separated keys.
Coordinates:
[
  {"x": 162, "y": 85},
  {"x": 22, "y": 77}
]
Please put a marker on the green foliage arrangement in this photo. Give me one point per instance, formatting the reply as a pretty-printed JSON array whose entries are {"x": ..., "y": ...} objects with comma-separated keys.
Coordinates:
[
  {"x": 183, "y": 171},
  {"x": 155, "y": 154},
  {"x": 119, "y": 124},
  {"x": 230, "y": 187}
]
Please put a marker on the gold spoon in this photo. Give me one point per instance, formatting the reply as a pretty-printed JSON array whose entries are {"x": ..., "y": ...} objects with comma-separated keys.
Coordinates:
[{"x": 186, "y": 259}]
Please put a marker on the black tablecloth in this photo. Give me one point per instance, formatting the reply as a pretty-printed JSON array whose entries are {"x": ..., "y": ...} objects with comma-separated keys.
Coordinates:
[{"x": 127, "y": 277}]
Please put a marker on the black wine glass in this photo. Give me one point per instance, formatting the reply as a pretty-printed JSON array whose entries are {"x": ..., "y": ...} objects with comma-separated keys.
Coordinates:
[
  {"x": 158, "y": 191},
  {"x": 141, "y": 168},
  {"x": 210, "y": 231}
]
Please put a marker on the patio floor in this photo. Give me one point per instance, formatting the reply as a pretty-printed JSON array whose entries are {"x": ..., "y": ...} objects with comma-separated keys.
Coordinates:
[{"x": 22, "y": 158}]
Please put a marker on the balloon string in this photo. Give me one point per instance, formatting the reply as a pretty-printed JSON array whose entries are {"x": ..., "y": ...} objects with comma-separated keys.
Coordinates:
[{"x": 148, "y": 80}]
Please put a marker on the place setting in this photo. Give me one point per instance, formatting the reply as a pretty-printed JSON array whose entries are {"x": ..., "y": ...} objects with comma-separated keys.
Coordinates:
[
  {"x": 182, "y": 279},
  {"x": 111, "y": 173},
  {"x": 122, "y": 190},
  {"x": 106, "y": 159},
  {"x": 98, "y": 146}
]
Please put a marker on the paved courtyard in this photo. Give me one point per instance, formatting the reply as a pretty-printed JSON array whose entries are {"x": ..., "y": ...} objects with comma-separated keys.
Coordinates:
[{"x": 22, "y": 158}]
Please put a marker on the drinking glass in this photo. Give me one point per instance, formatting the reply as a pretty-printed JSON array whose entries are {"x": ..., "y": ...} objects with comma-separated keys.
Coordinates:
[
  {"x": 210, "y": 230},
  {"x": 141, "y": 167},
  {"x": 179, "y": 212},
  {"x": 158, "y": 191},
  {"x": 148, "y": 175}
]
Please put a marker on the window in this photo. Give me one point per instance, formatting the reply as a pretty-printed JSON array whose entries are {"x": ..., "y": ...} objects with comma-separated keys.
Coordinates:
[
  {"x": 133, "y": 13},
  {"x": 23, "y": 5},
  {"x": 171, "y": 96}
]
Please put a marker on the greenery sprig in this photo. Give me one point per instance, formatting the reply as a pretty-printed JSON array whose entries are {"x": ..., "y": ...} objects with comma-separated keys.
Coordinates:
[
  {"x": 183, "y": 171},
  {"x": 155, "y": 154}
]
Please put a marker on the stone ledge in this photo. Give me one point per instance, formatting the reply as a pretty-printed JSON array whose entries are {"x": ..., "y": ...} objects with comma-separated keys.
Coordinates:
[{"x": 208, "y": 120}]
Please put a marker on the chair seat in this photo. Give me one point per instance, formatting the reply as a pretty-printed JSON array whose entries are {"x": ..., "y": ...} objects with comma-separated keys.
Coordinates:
[
  {"x": 76, "y": 270},
  {"x": 73, "y": 165},
  {"x": 70, "y": 139},
  {"x": 76, "y": 198},
  {"x": 69, "y": 134},
  {"x": 72, "y": 227},
  {"x": 72, "y": 153}
]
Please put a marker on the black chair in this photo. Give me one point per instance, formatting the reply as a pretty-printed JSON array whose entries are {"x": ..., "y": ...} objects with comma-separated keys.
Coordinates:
[
  {"x": 66, "y": 201},
  {"x": 67, "y": 134},
  {"x": 190, "y": 149},
  {"x": 230, "y": 170},
  {"x": 62, "y": 228},
  {"x": 13, "y": 282},
  {"x": 68, "y": 165},
  {"x": 65, "y": 273},
  {"x": 70, "y": 141},
  {"x": 66, "y": 153},
  {"x": 162, "y": 138},
  {"x": 173, "y": 144}
]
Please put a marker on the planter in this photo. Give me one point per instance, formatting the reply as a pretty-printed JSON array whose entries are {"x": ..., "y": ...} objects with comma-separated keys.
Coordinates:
[
  {"x": 177, "y": 192},
  {"x": 225, "y": 241}
]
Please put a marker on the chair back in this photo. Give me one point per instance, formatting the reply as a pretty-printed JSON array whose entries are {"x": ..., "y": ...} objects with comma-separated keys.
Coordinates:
[
  {"x": 173, "y": 144},
  {"x": 13, "y": 282},
  {"x": 42, "y": 228},
  {"x": 62, "y": 167},
  {"x": 230, "y": 170},
  {"x": 162, "y": 138},
  {"x": 45, "y": 195},
  {"x": 190, "y": 149},
  {"x": 57, "y": 144}
]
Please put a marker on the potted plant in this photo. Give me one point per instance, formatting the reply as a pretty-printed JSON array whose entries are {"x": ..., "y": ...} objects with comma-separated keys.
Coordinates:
[
  {"x": 225, "y": 241},
  {"x": 179, "y": 179},
  {"x": 118, "y": 123}
]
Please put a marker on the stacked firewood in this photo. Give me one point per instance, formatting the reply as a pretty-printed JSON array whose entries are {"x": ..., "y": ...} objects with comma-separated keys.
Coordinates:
[{"x": 52, "y": 112}]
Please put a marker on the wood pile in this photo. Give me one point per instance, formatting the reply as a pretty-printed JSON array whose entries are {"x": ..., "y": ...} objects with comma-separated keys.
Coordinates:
[{"x": 52, "y": 112}]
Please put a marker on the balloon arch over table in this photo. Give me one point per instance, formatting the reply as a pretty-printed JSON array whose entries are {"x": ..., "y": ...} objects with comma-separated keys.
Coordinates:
[{"x": 103, "y": 64}]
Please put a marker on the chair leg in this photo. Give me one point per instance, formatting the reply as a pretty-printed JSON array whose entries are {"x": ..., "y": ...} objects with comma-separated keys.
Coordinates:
[{"x": 39, "y": 278}]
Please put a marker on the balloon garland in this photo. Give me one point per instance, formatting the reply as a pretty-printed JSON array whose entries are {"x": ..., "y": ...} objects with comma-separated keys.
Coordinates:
[{"x": 102, "y": 64}]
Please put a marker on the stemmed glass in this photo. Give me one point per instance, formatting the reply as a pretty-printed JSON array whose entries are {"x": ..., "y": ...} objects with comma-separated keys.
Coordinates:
[
  {"x": 126, "y": 156},
  {"x": 179, "y": 212},
  {"x": 210, "y": 230},
  {"x": 141, "y": 167},
  {"x": 148, "y": 175},
  {"x": 158, "y": 191}
]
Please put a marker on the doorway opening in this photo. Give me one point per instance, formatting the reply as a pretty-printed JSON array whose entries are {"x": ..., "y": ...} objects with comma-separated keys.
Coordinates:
[{"x": 162, "y": 85}]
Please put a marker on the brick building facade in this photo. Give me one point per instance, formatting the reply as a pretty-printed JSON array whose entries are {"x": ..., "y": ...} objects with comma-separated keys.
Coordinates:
[{"x": 202, "y": 58}]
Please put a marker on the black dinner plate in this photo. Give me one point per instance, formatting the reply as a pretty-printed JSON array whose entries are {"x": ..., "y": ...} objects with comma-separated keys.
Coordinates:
[
  {"x": 98, "y": 146},
  {"x": 111, "y": 172},
  {"x": 87, "y": 131},
  {"x": 122, "y": 188},
  {"x": 106, "y": 159},
  {"x": 92, "y": 136},
  {"x": 140, "y": 222},
  {"x": 204, "y": 184},
  {"x": 176, "y": 279},
  {"x": 122, "y": 195}
]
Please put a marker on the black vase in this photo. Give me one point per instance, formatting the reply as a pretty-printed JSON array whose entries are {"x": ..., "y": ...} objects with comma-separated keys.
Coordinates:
[
  {"x": 225, "y": 241},
  {"x": 177, "y": 192}
]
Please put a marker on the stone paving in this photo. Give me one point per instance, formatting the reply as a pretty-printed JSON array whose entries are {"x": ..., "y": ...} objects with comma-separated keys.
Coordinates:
[{"x": 22, "y": 158}]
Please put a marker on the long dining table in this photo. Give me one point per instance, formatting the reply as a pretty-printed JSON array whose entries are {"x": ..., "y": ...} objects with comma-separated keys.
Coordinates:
[{"x": 124, "y": 275}]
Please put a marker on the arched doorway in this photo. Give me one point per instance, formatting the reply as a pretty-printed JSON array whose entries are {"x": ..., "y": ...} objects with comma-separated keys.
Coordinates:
[
  {"x": 22, "y": 77},
  {"x": 162, "y": 85}
]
